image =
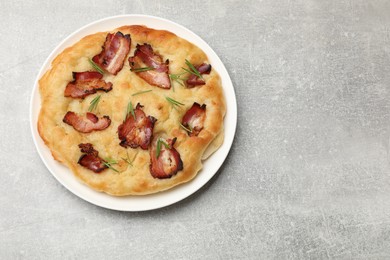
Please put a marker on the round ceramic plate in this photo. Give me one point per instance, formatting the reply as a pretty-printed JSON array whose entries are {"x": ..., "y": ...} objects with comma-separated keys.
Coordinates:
[{"x": 161, "y": 199}]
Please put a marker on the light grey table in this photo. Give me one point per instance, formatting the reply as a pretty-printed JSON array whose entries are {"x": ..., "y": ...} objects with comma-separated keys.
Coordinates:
[{"x": 308, "y": 175}]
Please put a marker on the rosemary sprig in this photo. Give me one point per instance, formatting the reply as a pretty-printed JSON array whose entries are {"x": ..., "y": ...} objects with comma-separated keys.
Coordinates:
[
  {"x": 188, "y": 129},
  {"x": 142, "y": 69},
  {"x": 95, "y": 66},
  {"x": 94, "y": 103},
  {"x": 158, "y": 150},
  {"x": 177, "y": 78},
  {"x": 127, "y": 159},
  {"x": 109, "y": 163},
  {"x": 141, "y": 92},
  {"x": 130, "y": 110},
  {"x": 174, "y": 102},
  {"x": 192, "y": 70}
]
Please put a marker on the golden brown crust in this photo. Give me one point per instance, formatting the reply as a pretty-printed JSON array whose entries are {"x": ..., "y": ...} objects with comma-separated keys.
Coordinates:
[{"x": 63, "y": 140}]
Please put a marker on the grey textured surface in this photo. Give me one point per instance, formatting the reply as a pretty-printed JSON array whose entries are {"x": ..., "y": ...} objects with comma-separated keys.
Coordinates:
[{"x": 308, "y": 175}]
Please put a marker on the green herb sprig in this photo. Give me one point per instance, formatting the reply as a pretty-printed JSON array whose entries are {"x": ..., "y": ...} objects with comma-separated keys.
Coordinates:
[
  {"x": 109, "y": 163},
  {"x": 95, "y": 66},
  {"x": 177, "y": 78},
  {"x": 173, "y": 102},
  {"x": 127, "y": 159},
  {"x": 130, "y": 110},
  {"x": 142, "y": 92},
  {"x": 192, "y": 69},
  {"x": 94, "y": 103},
  {"x": 188, "y": 129},
  {"x": 142, "y": 69},
  {"x": 159, "y": 143}
]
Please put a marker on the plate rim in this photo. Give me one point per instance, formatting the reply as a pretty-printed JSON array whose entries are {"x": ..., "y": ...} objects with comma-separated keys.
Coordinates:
[{"x": 232, "y": 110}]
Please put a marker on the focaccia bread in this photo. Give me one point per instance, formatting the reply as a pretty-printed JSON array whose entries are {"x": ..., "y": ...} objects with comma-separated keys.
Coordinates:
[{"x": 144, "y": 123}]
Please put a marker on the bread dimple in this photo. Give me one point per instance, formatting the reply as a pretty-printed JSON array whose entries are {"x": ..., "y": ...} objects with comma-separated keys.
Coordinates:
[{"x": 132, "y": 179}]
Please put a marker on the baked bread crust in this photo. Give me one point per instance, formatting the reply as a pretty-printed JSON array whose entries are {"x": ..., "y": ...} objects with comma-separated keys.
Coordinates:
[{"x": 63, "y": 139}]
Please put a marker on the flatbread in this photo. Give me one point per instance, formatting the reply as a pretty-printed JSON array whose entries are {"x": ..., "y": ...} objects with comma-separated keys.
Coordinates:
[{"x": 134, "y": 179}]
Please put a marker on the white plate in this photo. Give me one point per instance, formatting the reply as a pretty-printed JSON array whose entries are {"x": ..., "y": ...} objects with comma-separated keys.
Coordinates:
[{"x": 148, "y": 202}]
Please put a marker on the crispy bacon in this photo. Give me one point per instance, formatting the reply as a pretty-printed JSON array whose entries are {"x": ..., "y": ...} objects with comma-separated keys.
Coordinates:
[
  {"x": 90, "y": 159},
  {"x": 87, "y": 75},
  {"x": 144, "y": 56},
  {"x": 88, "y": 123},
  {"x": 136, "y": 131},
  {"x": 86, "y": 83},
  {"x": 194, "y": 119},
  {"x": 168, "y": 163},
  {"x": 194, "y": 80},
  {"x": 115, "y": 49}
]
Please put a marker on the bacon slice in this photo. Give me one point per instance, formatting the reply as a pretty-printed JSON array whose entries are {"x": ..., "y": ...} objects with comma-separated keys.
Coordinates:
[
  {"x": 90, "y": 159},
  {"x": 136, "y": 132},
  {"x": 168, "y": 163},
  {"x": 88, "y": 123},
  {"x": 87, "y": 75},
  {"x": 194, "y": 80},
  {"x": 115, "y": 49},
  {"x": 194, "y": 119},
  {"x": 144, "y": 56},
  {"x": 86, "y": 83}
]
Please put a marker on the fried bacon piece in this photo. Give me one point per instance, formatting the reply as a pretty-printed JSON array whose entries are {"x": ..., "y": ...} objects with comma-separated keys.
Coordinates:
[
  {"x": 194, "y": 119},
  {"x": 157, "y": 71},
  {"x": 115, "y": 49},
  {"x": 88, "y": 123},
  {"x": 136, "y": 131},
  {"x": 168, "y": 161},
  {"x": 194, "y": 80},
  {"x": 90, "y": 159},
  {"x": 86, "y": 83}
]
